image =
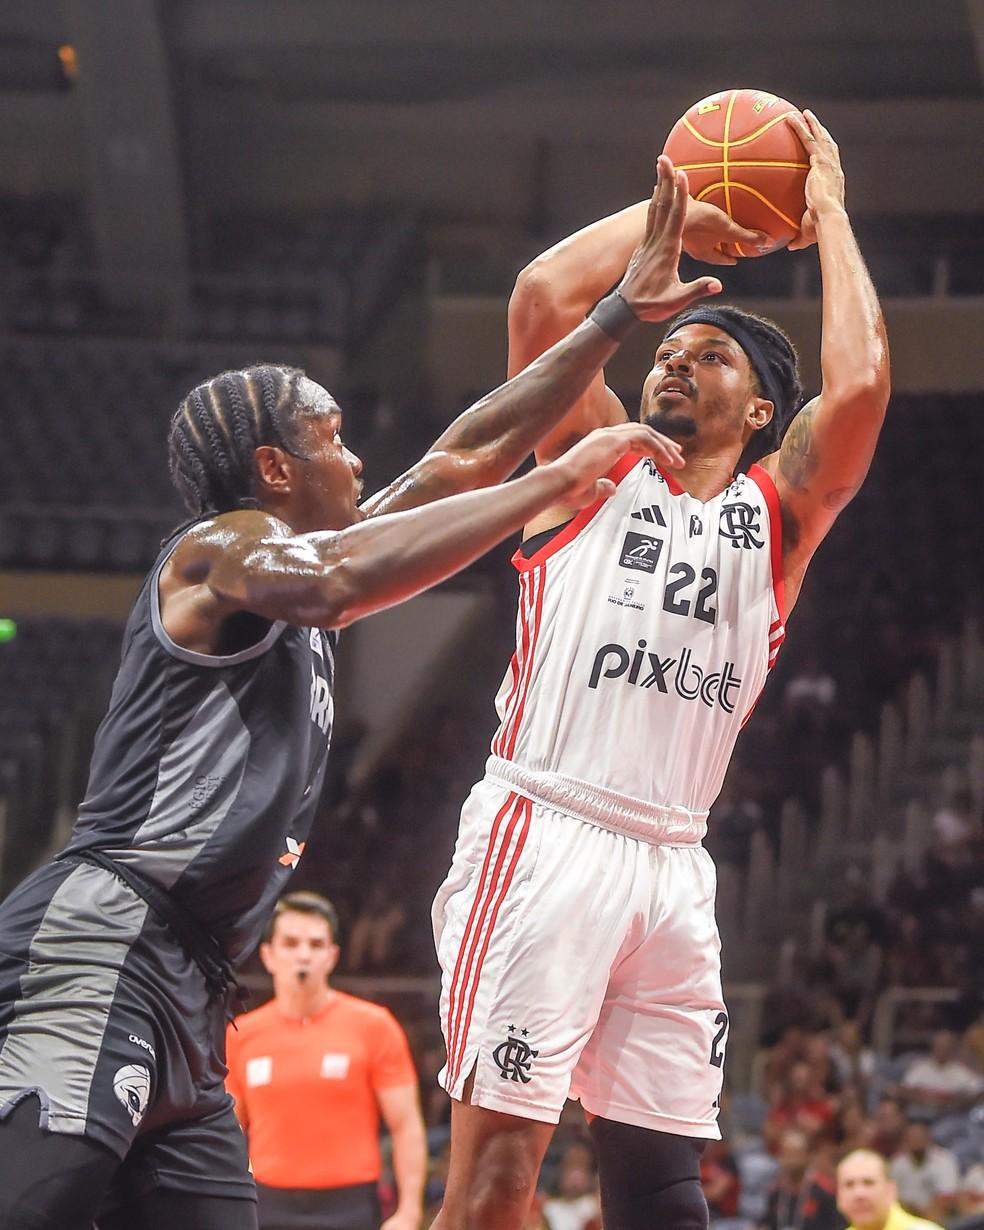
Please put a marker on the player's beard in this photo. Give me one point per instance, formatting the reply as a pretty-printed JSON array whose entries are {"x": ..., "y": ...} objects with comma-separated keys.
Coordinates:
[{"x": 672, "y": 423}]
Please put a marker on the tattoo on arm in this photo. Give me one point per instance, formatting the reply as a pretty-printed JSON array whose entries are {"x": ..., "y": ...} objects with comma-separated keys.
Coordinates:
[{"x": 797, "y": 460}]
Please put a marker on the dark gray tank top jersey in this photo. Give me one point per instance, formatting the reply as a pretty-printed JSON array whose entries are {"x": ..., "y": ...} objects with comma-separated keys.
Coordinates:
[{"x": 206, "y": 770}]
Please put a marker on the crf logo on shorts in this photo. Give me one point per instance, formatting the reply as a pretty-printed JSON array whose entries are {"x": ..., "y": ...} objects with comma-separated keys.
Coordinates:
[{"x": 515, "y": 1056}]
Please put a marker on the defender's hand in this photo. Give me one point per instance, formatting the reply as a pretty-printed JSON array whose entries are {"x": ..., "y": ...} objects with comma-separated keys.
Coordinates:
[
  {"x": 825, "y": 179},
  {"x": 706, "y": 229},
  {"x": 598, "y": 452},
  {"x": 652, "y": 286}
]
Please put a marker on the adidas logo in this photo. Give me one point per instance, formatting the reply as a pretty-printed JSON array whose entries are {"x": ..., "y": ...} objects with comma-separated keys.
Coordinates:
[{"x": 652, "y": 514}]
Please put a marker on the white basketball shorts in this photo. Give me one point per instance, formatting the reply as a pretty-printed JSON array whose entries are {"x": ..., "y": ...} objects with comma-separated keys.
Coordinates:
[{"x": 579, "y": 962}]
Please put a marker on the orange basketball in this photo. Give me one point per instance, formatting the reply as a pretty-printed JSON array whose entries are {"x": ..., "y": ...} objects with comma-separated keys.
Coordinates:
[{"x": 741, "y": 155}]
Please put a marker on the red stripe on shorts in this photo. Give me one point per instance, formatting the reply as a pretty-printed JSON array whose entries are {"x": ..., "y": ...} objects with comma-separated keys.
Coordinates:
[
  {"x": 526, "y": 807},
  {"x": 458, "y": 1032},
  {"x": 479, "y": 893}
]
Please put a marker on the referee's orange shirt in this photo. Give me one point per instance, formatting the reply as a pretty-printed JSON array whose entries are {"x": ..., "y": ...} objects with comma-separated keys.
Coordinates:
[{"x": 305, "y": 1090}]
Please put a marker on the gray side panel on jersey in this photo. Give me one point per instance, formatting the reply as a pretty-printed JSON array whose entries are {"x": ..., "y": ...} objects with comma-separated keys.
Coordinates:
[
  {"x": 189, "y": 655},
  {"x": 56, "y": 1034},
  {"x": 200, "y": 775}
]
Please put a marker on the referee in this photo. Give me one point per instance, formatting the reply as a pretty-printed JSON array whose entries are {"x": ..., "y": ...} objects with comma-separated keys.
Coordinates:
[{"x": 312, "y": 1072}]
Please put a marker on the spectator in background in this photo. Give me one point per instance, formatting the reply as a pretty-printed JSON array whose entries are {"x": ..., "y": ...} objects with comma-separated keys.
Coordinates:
[
  {"x": 970, "y": 1199},
  {"x": 312, "y": 1073},
  {"x": 939, "y": 1083},
  {"x": 954, "y": 823},
  {"x": 802, "y": 1197},
  {"x": 816, "y": 1052},
  {"x": 800, "y": 1103},
  {"x": 577, "y": 1204},
  {"x": 889, "y": 1126},
  {"x": 973, "y": 1039},
  {"x": 926, "y": 1177},
  {"x": 852, "y": 954},
  {"x": 812, "y": 692},
  {"x": 854, "y": 1063},
  {"x": 376, "y": 931},
  {"x": 866, "y": 1195},
  {"x": 736, "y": 817},
  {"x": 854, "y": 1129},
  {"x": 909, "y": 962},
  {"x": 720, "y": 1180}
]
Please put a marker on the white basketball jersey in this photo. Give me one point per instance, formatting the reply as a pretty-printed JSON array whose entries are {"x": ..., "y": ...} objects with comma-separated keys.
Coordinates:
[{"x": 647, "y": 627}]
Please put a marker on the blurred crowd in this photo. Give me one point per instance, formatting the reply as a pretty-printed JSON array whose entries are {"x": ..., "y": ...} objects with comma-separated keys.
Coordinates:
[{"x": 817, "y": 1096}]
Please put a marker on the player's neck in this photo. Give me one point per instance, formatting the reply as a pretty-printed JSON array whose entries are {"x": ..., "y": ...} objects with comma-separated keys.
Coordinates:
[
  {"x": 300, "y": 1002},
  {"x": 705, "y": 476}
]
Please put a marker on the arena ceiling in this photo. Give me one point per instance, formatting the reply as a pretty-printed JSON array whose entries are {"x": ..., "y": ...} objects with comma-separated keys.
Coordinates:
[
  {"x": 406, "y": 50},
  {"x": 183, "y": 108}
]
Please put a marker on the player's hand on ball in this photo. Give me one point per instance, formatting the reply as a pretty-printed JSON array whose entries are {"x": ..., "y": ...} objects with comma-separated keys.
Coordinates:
[
  {"x": 825, "y": 181},
  {"x": 706, "y": 228},
  {"x": 652, "y": 286},
  {"x": 600, "y": 450}
]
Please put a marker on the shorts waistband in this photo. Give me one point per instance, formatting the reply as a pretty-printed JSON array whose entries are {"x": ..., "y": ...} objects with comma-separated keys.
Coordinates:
[
  {"x": 198, "y": 944},
  {"x": 659, "y": 824}
]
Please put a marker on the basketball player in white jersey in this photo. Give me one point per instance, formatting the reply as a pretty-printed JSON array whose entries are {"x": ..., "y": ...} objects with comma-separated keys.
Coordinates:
[{"x": 576, "y": 927}]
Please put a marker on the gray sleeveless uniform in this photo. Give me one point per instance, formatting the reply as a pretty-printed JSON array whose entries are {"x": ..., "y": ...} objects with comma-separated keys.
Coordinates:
[{"x": 204, "y": 780}]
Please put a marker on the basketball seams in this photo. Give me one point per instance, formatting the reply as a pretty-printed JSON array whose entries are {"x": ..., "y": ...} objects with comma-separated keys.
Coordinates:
[
  {"x": 752, "y": 192},
  {"x": 724, "y": 151},
  {"x": 751, "y": 136},
  {"x": 744, "y": 162}
]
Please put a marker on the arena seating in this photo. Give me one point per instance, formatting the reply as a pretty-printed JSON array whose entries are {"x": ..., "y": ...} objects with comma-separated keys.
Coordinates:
[
  {"x": 54, "y": 680},
  {"x": 318, "y": 279}
]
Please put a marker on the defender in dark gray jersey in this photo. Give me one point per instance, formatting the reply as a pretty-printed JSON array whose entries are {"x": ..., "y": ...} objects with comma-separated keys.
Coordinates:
[{"x": 115, "y": 959}]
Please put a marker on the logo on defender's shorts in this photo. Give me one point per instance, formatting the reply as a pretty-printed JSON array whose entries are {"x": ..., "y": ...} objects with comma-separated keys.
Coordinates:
[
  {"x": 514, "y": 1057},
  {"x": 131, "y": 1085}
]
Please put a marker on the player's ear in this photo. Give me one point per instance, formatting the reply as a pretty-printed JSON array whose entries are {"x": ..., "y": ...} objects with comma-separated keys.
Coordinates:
[
  {"x": 273, "y": 471},
  {"x": 334, "y": 952},
  {"x": 760, "y": 413},
  {"x": 266, "y": 957}
]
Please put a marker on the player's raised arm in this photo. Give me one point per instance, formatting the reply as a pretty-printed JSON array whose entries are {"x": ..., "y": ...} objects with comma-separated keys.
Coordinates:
[
  {"x": 828, "y": 447},
  {"x": 487, "y": 442},
  {"x": 251, "y": 561},
  {"x": 555, "y": 290}
]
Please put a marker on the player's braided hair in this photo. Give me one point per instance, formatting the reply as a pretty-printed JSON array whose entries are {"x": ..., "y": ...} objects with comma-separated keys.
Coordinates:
[
  {"x": 218, "y": 426},
  {"x": 780, "y": 354}
]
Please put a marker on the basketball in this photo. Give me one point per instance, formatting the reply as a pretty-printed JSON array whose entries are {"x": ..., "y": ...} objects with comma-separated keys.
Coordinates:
[{"x": 741, "y": 155}]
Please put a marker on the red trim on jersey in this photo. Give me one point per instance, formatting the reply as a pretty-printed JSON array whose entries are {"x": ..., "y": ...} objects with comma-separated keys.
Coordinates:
[
  {"x": 763, "y": 480},
  {"x": 574, "y": 527},
  {"x": 539, "y": 585},
  {"x": 479, "y": 893},
  {"x": 514, "y": 671},
  {"x": 456, "y": 1046},
  {"x": 671, "y": 482},
  {"x": 518, "y": 666},
  {"x": 777, "y": 630},
  {"x": 526, "y": 809}
]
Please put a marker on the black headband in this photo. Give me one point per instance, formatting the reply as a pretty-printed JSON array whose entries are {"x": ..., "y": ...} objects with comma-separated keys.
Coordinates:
[{"x": 771, "y": 389}]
